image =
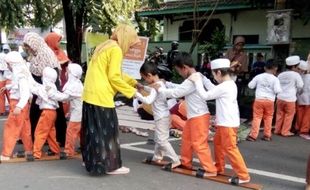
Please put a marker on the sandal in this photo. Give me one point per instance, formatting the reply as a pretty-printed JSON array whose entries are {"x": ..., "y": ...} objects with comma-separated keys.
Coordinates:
[
  {"x": 265, "y": 138},
  {"x": 121, "y": 170},
  {"x": 249, "y": 138}
]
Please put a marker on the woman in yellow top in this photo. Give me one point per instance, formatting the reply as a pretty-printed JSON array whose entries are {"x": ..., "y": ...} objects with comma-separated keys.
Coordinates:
[{"x": 104, "y": 78}]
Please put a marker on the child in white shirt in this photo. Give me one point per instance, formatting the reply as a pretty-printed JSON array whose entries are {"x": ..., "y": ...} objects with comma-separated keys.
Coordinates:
[
  {"x": 227, "y": 119},
  {"x": 16, "y": 127},
  {"x": 303, "y": 102},
  {"x": 161, "y": 115},
  {"x": 291, "y": 82},
  {"x": 267, "y": 86},
  {"x": 195, "y": 132},
  {"x": 72, "y": 92}
]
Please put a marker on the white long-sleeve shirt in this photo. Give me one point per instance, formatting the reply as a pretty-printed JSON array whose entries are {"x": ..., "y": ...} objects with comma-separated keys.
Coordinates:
[
  {"x": 157, "y": 100},
  {"x": 304, "y": 97},
  {"x": 267, "y": 86},
  {"x": 290, "y": 82},
  {"x": 19, "y": 90},
  {"x": 72, "y": 93},
  {"x": 43, "y": 100},
  {"x": 225, "y": 95},
  {"x": 195, "y": 105}
]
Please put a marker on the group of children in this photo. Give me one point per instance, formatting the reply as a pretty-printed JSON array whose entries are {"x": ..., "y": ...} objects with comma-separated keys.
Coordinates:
[
  {"x": 195, "y": 131},
  {"x": 291, "y": 89},
  {"x": 20, "y": 89}
]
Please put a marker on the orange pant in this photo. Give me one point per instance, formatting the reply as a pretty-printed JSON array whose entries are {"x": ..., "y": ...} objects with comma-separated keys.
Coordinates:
[
  {"x": 303, "y": 120},
  {"x": 195, "y": 139},
  {"x": 45, "y": 130},
  {"x": 16, "y": 127},
  {"x": 2, "y": 97},
  {"x": 73, "y": 133},
  {"x": 262, "y": 109},
  {"x": 284, "y": 118},
  {"x": 225, "y": 144}
]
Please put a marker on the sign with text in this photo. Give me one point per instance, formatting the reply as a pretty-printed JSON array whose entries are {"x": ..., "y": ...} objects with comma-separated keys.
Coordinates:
[{"x": 134, "y": 59}]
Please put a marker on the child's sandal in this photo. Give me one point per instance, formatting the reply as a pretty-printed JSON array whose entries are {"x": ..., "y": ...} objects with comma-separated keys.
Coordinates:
[{"x": 249, "y": 138}]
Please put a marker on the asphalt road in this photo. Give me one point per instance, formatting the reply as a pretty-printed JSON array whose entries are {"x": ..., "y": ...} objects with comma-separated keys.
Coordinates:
[{"x": 277, "y": 165}]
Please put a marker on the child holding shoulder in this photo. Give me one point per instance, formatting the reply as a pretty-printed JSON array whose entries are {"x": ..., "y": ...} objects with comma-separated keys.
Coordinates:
[
  {"x": 72, "y": 92},
  {"x": 161, "y": 115},
  {"x": 303, "y": 102},
  {"x": 16, "y": 127},
  {"x": 227, "y": 119},
  {"x": 45, "y": 129},
  {"x": 195, "y": 132},
  {"x": 291, "y": 82},
  {"x": 267, "y": 87}
]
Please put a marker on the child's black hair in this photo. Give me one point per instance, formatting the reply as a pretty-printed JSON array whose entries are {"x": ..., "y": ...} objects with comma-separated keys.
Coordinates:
[
  {"x": 271, "y": 64},
  {"x": 148, "y": 68},
  {"x": 224, "y": 71},
  {"x": 290, "y": 67},
  {"x": 182, "y": 59}
]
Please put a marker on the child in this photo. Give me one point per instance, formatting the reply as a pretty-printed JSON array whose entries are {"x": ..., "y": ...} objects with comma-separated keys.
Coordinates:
[
  {"x": 45, "y": 129},
  {"x": 72, "y": 91},
  {"x": 267, "y": 86},
  {"x": 227, "y": 119},
  {"x": 161, "y": 115},
  {"x": 290, "y": 82},
  {"x": 195, "y": 132},
  {"x": 16, "y": 126},
  {"x": 303, "y": 103}
]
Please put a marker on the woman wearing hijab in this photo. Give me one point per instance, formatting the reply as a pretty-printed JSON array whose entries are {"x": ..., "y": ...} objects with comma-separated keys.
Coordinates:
[
  {"x": 99, "y": 134},
  {"x": 41, "y": 56}
]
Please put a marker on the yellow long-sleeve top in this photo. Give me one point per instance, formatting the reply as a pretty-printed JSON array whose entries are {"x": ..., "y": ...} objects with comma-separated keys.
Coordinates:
[{"x": 104, "y": 79}]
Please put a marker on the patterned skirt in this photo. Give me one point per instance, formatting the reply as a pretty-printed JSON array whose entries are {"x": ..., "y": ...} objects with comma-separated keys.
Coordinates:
[{"x": 99, "y": 139}]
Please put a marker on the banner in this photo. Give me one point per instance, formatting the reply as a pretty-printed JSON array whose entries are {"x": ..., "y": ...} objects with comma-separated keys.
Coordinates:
[
  {"x": 134, "y": 59},
  {"x": 92, "y": 40}
]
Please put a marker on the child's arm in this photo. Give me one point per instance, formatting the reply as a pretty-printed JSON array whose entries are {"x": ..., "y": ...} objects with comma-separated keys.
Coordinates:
[
  {"x": 182, "y": 90},
  {"x": 299, "y": 82},
  {"x": 252, "y": 84},
  {"x": 277, "y": 87},
  {"x": 207, "y": 83},
  {"x": 24, "y": 91},
  {"x": 212, "y": 94},
  {"x": 171, "y": 85},
  {"x": 147, "y": 99},
  {"x": 58, "y": 96}
]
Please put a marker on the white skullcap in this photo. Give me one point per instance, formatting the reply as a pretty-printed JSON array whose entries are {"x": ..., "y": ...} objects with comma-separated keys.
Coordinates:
[
  {"x": 220, "y": 63},
  {"x": 13, "y": 57},
  {"x": 75, "y": 69},
  {"x": 292, "y": 60},
  {"x": 303, "y": 65}
]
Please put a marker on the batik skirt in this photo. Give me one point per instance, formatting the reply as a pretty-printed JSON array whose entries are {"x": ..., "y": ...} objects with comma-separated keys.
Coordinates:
[{"x": 99, "y": 139}]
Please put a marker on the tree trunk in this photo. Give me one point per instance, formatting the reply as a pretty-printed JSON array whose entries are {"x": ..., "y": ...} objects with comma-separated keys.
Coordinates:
[{"x": 74, "y": 31}]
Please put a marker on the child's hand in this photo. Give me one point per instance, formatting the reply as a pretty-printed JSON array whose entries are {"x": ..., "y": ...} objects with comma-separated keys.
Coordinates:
[
  {"x": 17, "y": 111},
  {"x": 47, "y": 88},
  {"x": 156, "y": 86},
  {"x": 139, "y": 86},
  {"x": 195, "y": 77}
]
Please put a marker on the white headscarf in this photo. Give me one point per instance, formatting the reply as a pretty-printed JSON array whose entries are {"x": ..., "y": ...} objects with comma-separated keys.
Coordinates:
[{"x": 74, "y": 86}]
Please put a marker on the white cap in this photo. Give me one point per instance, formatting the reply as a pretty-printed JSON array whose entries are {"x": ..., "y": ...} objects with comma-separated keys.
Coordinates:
[
  {"x": 292, "y": 60},
  {"x": 303, "y": 65},
  {"x": 220, "y": 63},
  {"x": 13, "y": 57},
  {"x": 6, "y": 46},
  {"x": 49, "y": 74}
]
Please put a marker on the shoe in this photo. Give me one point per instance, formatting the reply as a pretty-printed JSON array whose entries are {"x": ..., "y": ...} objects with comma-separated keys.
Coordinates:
[
  {"x": 150, "y": 141},
  {"x": 122, "y": 170},
  {"x": 50, "y": 153},
  {"x": 249, "y": 138},
  {"x": 20, "y": 154},
  {"x": 4, "y": 158},
  {"x": 63, "y": 156},
  {"x": 237, "y": 181},
  {"x": 29, "y": 157},
  {"x": 304, "y": 136},
  {"x": 288, "y": 134},
  {"x": 265, "y": 138}
]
